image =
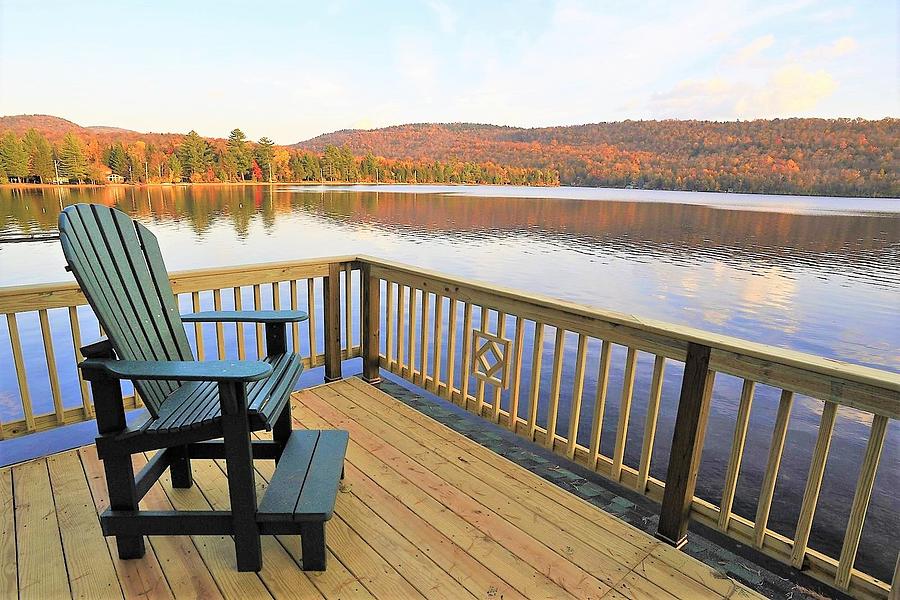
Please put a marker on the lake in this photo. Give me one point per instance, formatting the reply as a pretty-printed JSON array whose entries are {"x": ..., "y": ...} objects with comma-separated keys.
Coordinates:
[{"x": 820, "y": 275}]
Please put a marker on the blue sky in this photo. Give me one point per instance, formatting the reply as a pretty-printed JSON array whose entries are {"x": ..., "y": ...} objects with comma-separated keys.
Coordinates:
[{"x": 293, "y": 70}]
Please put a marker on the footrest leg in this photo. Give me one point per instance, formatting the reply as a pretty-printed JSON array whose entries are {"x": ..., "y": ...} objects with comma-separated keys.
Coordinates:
[
  {"x": 180, "y": 467},
  {"x": 130, "y": 546},
  {"x": 312, "y": 543}
]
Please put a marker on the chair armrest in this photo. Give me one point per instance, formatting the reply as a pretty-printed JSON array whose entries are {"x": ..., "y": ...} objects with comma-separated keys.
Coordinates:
[
  {"x": 178, "y": 370},
  {"x": 245, "y": 316}
]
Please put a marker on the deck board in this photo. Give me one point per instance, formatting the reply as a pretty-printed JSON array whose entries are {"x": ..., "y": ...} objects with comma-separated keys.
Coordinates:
[{"x": 422, "y": 513}]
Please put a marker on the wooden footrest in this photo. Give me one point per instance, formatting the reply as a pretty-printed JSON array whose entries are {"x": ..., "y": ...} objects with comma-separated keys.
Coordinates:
[{"x": 302, "y": 492}]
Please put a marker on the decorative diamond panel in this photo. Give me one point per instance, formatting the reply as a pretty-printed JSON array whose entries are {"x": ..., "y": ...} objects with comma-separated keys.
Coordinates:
[{"x": 490, "y": 361}]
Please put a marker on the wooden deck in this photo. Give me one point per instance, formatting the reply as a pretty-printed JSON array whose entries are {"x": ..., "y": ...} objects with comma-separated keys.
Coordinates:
[{"x": 423, "y": 513}]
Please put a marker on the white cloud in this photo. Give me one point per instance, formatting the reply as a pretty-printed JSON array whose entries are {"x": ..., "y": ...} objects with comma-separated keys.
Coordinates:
[
  {"x": 754, "y": 49},
  {"x": 840, "y": 47},
  {"x": 790, "y": 90},
  {"x": 446, "y": 16}
]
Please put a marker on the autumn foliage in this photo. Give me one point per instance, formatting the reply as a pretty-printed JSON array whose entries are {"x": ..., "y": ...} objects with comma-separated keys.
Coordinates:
[
  {"x": 851, "y": 157},
  {"x": 847, "y": 157},
  {"x": 40, "y": 148}
]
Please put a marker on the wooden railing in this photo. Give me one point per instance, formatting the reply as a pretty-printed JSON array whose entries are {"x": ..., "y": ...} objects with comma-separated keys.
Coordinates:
[
  {"x": 65, "y": 320},
  {"x": 447, "y": 335},
  {"x": 420, "y": 319}
]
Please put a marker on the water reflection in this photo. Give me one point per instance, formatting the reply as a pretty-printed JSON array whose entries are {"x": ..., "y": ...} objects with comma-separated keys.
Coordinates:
[
  {"x": 780, "y": 278},
  {"x": 822, "y": 282}
]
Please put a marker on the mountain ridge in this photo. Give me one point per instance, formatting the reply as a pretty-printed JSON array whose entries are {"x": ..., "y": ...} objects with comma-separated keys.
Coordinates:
[{"x": 852, "y": 157}]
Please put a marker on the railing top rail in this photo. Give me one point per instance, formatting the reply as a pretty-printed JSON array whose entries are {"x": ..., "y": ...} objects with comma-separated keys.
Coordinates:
[
  {"x": 20, "y": 298},
  {"x": 669, "y": 338},
  {"x": 835, "y": 369}
]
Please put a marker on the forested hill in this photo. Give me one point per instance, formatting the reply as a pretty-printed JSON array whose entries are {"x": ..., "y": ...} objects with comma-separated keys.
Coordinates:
[{"x": 851, "y": 157}]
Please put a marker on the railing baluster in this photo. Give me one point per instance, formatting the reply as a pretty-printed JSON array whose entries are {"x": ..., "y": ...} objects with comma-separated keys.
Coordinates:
[
  {"x": 537, "y": 355},
  {"x": 411, "y": 338},
  {"x": 577, "y": 392},
  {"x": 451, "y": 349},
  {"x": 555, "y": 384},
  {"x": 656, "y": 382},
  {"x": 75, "y": 326},
  {"x": 624, "y": 413},
  {"x": 466, "y": 356},
  {"x": 861, "y": 501},
  {"x": 438, "y": 342},
  {"x": 257, "y": 305},
  {"x": 50, "y": 355},
  {"x": 19, "y": 362},
  {"x": 599, "y": 403},
  {"x": 484, "y": 319},
  {"x": 501, "y": 333},
  {"x": 737, "y": 453},
  {"x": 516, "y": 374},
  {"x": 312, "y": 323},
  {"x": 425, "y": 332},
  {"x": 239, "y": 327},
  {"x": 813, "y": 484},
  {"x": 198, "y": 327},
  {"x": 389, "y": 353},
  {"x": 295, "y": 327},
  {"x": 767, "y": 492},
  {"x": 401, "y": 328},
  {"x": 348, "y": 307},
  {"x": 220, "y": 327}
]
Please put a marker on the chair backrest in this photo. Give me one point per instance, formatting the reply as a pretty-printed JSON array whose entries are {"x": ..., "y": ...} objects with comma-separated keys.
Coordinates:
[{"x": 118, "y": 265}]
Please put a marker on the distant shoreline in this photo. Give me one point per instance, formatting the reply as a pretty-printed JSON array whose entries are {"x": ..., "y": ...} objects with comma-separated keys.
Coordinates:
[
  {"x": 250, "y": 184},
  {"x": 37, "y": 186}
]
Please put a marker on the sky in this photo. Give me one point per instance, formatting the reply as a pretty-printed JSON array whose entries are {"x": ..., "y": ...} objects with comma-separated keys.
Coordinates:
[{"x": 293, "y": 70}]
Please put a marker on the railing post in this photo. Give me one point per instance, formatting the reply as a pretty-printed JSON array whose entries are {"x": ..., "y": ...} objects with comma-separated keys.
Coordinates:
[
  {"x": 332, "y": 292},
  {"x": 687, "y": 445},
  {"x": 371, "y": 323}
]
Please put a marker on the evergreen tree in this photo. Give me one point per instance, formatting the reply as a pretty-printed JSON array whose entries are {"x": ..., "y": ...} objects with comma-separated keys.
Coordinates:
[
  {"x": 40, "y": 156},
  {"x": 176, "y": 171},
  {"x": 237, "y": 148},
  {"x": 264, "y": 153},
  {"x": 228, "y": 167},
  {"x": 195, "y": 156},
  {"x": 72, "y": 162},
  {"x": 117, "y": 160},
  {"x": 13, "y": 157}
]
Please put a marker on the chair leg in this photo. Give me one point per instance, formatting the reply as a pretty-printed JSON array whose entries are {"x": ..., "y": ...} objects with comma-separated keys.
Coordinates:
[
  {"x": 312, "y": 544},
  {"x": 180, "y": 467},
  {"x": 241, "y": 480},
  {"x": 281, "y": 432},
  {"x": 123, "y": 496}
]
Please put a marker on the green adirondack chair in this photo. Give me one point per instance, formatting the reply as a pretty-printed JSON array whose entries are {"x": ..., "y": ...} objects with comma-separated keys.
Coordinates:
[{"x": 191, "y": 404}]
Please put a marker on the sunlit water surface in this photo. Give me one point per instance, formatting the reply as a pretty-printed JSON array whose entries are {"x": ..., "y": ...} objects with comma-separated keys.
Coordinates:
[{"x": 821, "y": 275}]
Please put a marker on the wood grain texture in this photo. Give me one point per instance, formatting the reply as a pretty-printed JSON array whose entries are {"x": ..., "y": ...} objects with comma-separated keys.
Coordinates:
[
  {"x": 687, "y": 446},
  {"x": 861, "y": 501},
  {"x": 423, "y": 513},
  {"x": 776, "y": 449}
]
